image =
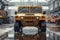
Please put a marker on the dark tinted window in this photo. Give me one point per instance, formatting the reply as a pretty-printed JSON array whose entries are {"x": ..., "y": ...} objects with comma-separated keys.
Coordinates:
[
  {"x": 36, "y": 10},
  {"x": 23, "y": 10}
]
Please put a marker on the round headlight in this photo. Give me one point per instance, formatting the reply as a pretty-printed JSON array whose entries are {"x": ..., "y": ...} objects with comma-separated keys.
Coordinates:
[
  {"x": 37, "y": 18},
  {"x": 22, "y": 17}
]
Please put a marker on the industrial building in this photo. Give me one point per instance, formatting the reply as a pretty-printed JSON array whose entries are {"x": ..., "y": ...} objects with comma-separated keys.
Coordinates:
[{"x": 29, "y": 19}]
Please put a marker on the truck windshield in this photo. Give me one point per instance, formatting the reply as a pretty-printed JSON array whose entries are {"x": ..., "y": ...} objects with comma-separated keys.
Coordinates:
[
  {"x": 32, "y": 10},
  {"x": 36, "y": 10},
  {"x": 23, "y": 10}
]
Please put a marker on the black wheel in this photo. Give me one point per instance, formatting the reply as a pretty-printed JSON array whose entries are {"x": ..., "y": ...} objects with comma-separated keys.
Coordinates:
[
  {"x": 17, "y": 26},
  {"x": 42, "y": 26}
]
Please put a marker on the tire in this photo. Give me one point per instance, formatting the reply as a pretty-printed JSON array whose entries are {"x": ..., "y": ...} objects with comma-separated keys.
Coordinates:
[
  {"x": 42, "y": 28},
  {"x": 17, "y": 26}
]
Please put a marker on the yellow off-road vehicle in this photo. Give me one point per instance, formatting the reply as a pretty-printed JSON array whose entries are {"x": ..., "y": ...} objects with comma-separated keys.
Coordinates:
[{"x": 30, "y": 18}]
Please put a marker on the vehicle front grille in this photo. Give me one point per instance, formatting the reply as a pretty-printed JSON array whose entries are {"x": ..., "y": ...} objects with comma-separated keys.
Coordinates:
[{"x": 29, "y": 18}]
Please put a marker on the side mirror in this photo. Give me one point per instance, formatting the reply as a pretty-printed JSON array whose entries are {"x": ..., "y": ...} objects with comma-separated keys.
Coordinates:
[
  {"x": 15, "y": 12},
  {"x": 44, "y": 12}
]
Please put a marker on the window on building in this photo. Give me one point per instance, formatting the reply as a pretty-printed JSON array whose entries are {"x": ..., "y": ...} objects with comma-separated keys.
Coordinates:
[
  {"x": 56, "y": 4},
  {"x": 51, "y": 7}
]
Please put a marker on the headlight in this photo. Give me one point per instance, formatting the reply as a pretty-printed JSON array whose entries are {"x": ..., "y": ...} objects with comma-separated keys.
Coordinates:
[
  {"x": 22, "y": 17},
  {"x": 37, "y": 18}
]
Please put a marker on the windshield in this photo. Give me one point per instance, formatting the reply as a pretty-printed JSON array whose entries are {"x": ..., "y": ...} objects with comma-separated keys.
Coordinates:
[
  {"x": 31, "y": 10},
  {"x": 23, "y": 10},
  {"x": 36, "y": 10}
]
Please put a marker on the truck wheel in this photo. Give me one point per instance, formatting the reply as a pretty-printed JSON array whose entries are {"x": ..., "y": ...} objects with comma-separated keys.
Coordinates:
[
  {"x": 42, "y": 26},
  {"x": 17, "y": 26}
]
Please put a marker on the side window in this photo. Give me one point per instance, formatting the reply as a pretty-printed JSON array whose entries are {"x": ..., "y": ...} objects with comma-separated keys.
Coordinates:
[
  {"x": 23, "y": 10},
  {"x": 36, "y": 10},
  {"x": 51, "y": 7}
]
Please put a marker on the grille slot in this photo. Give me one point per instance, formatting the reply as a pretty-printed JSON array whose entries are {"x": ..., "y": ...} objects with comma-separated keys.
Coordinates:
[{"x": 29, "y": 18}]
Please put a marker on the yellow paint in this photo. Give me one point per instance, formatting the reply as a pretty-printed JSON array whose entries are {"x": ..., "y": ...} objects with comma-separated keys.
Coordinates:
[
  {"x": 41, "y": 18},
  {"x": 17, "y": 18},
  {"x": 20, "y": 14}
]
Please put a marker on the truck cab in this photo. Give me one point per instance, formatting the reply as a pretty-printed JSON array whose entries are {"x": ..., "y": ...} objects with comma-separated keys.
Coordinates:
[{"x": 2, "y": 15}]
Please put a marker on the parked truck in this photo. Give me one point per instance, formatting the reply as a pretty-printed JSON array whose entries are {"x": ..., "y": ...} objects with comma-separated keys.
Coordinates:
[
  {"x": 29, "y": 20},
  {"x": 3, "y": 17}
]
